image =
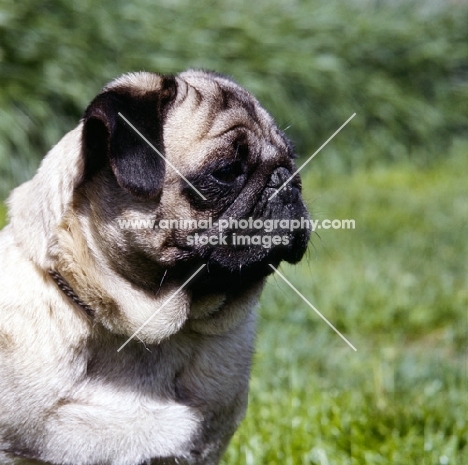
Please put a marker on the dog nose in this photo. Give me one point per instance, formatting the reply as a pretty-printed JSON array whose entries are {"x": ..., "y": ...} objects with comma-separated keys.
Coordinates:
[
  {"x": 279, "y": 177},
  {"x": 290, "y": 188}
]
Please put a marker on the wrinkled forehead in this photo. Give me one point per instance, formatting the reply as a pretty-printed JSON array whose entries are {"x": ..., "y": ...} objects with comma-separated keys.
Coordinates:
[
  {"x": 222, "y": 105},
  {"x": 219, "y": 87}
]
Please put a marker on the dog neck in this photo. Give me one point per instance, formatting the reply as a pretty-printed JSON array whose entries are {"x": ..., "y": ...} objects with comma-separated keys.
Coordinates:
[{"x": 119, "y": 305}]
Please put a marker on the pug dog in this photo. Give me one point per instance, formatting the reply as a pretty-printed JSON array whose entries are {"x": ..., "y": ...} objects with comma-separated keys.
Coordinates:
[{"x": 132, "y": 345}]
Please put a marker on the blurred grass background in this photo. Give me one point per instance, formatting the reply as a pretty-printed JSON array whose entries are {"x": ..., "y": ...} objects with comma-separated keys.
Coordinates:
[{"x": 396, "y": 286}]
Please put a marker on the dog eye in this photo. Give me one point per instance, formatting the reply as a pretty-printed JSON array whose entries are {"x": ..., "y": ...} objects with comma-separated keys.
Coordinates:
[
  {"x": 229, "y": 173},
  {"x": 242, "y": 150}
]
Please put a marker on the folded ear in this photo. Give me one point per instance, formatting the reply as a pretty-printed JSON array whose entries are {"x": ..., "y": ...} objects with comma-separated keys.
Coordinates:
[{"x": 108, "y": 139}]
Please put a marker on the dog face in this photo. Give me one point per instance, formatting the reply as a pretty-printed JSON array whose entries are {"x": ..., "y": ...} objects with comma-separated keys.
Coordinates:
[{"x": 223, "y": 158}]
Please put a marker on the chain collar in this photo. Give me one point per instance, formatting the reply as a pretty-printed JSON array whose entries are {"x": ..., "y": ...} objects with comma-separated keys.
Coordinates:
[{"x": 70, "y": 293}]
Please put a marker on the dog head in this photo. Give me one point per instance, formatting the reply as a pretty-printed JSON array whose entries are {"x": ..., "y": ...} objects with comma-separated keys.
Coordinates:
[{"x": 195, "y": 148}]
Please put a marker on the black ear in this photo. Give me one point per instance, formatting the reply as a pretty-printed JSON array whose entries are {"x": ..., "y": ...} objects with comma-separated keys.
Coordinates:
[{"x": 108, "y": 139}]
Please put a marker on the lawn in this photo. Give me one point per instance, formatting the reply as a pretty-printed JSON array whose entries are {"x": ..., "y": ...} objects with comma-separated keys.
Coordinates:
[
  {"x": 396, "y": 287},
  {"x": 2, "y": 215}
]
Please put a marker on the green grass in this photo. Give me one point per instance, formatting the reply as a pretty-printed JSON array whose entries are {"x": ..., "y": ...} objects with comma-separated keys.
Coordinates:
[
  {"x": 397, "y": 287},
  {"x": 2, "y": 215}
]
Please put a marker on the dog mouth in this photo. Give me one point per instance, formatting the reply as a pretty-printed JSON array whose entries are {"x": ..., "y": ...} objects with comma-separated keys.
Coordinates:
[{"x": 232, "y": 268}]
